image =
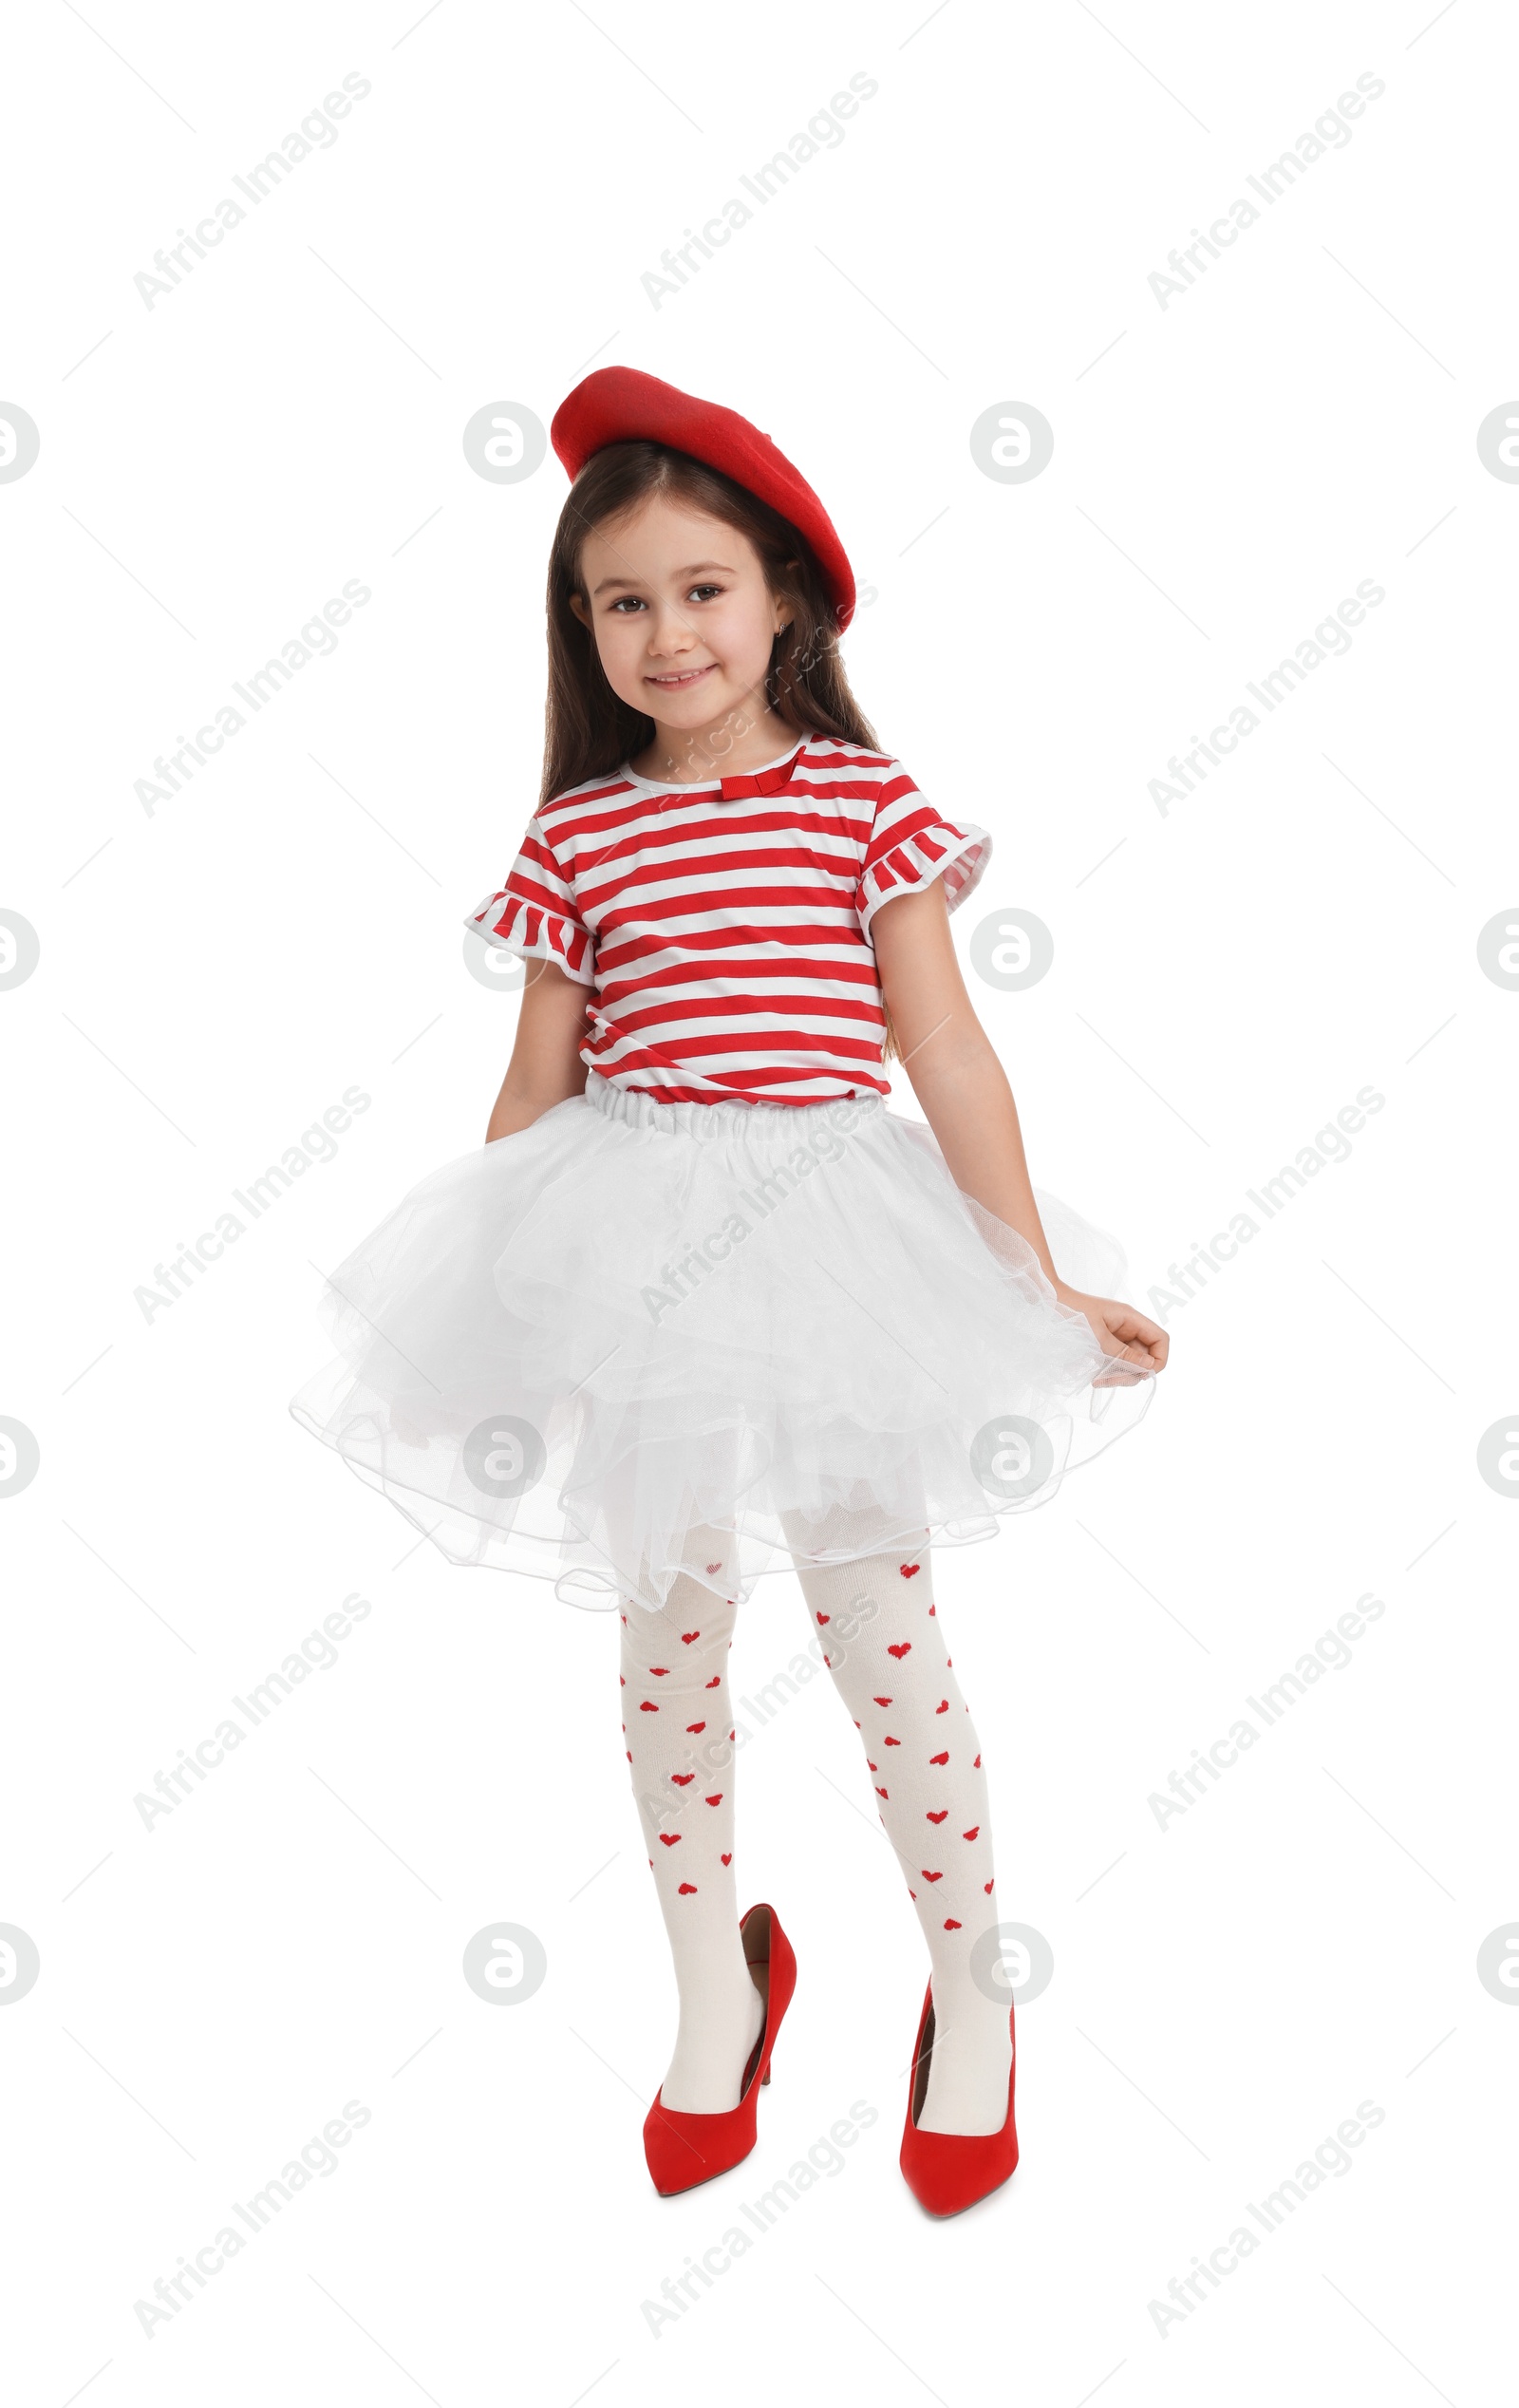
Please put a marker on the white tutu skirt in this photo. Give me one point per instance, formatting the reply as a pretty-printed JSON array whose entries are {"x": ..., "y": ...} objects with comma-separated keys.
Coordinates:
[{"x": 640, "y": 1338}]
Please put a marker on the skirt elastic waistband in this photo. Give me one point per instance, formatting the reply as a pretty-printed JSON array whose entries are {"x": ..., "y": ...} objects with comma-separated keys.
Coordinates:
[{"x": 727, "y": 1120}]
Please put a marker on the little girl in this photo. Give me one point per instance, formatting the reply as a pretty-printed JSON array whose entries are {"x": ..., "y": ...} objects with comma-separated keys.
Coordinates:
[{"x": 702, "y": 1301}]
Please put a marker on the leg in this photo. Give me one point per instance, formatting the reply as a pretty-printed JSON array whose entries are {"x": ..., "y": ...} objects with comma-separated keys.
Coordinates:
[
  {"x": 889, "y": 1663},
  {"x": 676, "y": 1715}
]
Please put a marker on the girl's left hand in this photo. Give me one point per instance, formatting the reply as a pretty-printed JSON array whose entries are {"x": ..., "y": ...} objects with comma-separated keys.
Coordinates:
[{"x": 1121, "y": 1332}]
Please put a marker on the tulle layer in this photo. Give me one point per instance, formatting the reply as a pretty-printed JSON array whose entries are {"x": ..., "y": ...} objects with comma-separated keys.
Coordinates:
[{"x": 780, "y": 1328}]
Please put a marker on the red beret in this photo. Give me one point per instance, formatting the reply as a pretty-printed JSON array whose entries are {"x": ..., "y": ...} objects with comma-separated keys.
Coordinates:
[{"x": 619, "y": 405}]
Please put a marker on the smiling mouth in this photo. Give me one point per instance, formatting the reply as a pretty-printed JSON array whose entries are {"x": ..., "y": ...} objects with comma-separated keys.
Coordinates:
[{"x": 681, "y": 677}]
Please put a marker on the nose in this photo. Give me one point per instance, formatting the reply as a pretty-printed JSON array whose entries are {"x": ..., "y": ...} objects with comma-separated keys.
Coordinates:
[{"x": 671, "y": 633}]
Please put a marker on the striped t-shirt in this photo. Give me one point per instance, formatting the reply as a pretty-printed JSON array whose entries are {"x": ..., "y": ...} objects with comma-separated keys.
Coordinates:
[{"x": 725, "y": 927}]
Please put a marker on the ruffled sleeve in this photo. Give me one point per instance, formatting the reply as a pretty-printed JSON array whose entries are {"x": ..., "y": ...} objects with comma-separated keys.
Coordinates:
[
  {"x": 910, "y": 845},
  {"x": 535, "y": 912}
]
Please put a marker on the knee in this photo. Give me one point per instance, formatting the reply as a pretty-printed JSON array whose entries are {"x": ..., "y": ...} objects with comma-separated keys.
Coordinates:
[
  {"x": 688, "y": 1641},
  {"x": 856, "y": 1640},
  {"x": 694, "y": 1612}
]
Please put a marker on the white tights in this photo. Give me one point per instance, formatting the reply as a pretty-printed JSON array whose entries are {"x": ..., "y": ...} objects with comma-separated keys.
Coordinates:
[{"x": 884, "y": 1646}]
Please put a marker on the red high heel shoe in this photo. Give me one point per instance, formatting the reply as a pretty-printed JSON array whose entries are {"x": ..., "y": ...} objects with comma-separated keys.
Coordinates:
[
  {"x": 948, "y": 2171},
  {"x": 683, "y": 2150}
]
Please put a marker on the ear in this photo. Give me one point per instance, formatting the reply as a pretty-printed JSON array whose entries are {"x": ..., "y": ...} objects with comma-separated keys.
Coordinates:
[
  {"x": 784, "y": 614},
  {"x": 579, "y": 608}
]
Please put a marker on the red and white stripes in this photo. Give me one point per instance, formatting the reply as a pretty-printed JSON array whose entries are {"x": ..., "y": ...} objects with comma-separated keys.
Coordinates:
[{"x": 725, "y": 928}]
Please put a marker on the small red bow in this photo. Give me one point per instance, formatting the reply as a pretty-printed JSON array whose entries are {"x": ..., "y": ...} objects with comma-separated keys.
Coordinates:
[{"x": 765, "y": 781}]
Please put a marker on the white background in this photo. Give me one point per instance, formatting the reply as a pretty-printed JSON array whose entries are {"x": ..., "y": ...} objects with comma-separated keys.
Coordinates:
[{"x": 213, "y": 975}]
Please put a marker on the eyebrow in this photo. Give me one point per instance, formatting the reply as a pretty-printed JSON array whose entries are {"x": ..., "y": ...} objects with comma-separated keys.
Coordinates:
[{"x": 679, "y": 573}]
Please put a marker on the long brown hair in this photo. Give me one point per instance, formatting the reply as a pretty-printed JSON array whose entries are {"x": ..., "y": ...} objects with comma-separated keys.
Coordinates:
[{"x": 588, "y": 729}]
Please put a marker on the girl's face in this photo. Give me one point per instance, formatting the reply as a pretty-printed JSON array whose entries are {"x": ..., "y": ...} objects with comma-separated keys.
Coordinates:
[{"x": 682, "y": 617}]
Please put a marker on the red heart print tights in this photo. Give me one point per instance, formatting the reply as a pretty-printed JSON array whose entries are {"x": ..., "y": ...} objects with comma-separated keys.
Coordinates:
[{"x": 884, "y": 1646}]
